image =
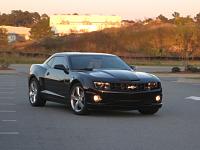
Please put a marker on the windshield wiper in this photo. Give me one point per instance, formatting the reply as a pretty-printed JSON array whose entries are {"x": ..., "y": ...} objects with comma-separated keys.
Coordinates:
[{"x": 86, "y": 69}]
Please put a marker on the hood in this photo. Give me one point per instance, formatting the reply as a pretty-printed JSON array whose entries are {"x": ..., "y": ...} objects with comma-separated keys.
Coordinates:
[{"x": 120, "y": 75}]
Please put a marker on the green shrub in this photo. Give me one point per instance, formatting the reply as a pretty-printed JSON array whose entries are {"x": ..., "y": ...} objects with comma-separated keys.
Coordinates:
[
  {"x": 4, "y": 64},
  {"x": 176, "y": 69},
  {"x": 193, "y": 69}
]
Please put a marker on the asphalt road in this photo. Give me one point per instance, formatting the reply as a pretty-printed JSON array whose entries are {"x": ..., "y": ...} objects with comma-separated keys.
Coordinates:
[{"x": 22, "y": 127}]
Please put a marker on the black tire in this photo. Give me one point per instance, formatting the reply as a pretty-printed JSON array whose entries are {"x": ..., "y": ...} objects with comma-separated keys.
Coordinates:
[
  {"x": 81, "y": 107},
  {"x": 35, "y": 98},
  {"x": 148, "y": 111}
]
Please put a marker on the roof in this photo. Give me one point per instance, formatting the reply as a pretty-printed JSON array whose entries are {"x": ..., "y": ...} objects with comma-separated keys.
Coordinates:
[
  {"x": 81, "y": 53},
  {"x": 57, "y": 19},
  {"x": 76, "y": 53},
  {"x": 17, "y": 30}
]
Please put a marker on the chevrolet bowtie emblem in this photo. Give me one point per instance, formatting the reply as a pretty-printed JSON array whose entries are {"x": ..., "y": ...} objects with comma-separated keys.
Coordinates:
[{"x": 132, "y": 87}]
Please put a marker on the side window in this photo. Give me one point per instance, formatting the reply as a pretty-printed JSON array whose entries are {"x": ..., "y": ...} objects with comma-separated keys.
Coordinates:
[
  {"x": 59, "y": 60},
  {"x": 50, "y": 62}
]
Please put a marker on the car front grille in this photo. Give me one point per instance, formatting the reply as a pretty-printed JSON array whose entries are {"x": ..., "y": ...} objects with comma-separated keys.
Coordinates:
[{"x": 130, "y": 87}]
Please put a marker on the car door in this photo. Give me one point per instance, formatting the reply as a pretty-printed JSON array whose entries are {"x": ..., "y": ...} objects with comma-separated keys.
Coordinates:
[{"x": 57, "y": 81}]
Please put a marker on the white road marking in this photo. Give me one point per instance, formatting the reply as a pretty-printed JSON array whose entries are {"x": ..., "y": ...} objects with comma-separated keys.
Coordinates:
[
  {"x": 7, "y": 88},
  {"x": 195, "y": 98},
  {"x": 6, "y": 98},
  {"x": 7, "y": 104},
  {"x": 7, "y": 82},
  {"x": 12, "y": 88},
  {"x": 7, "y": 111},
  {"x": 9, "y": 133},
  {"x": 7, "y": 85},
  {"x": 8, "y": 120},
  {"x": 7, "y": 93}
]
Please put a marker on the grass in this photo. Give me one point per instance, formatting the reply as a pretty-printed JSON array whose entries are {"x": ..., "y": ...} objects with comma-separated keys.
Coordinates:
[
  {"x": 143, "y": 62},
  {"x": 17, "y": 59},
  {"x": 195, "y": 78}
]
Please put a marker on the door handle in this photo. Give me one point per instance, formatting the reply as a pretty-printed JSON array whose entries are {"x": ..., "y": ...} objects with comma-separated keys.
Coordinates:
[{"x": 48, "y": 73}]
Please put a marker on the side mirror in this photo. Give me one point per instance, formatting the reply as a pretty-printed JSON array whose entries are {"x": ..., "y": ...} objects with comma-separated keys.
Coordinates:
[
  {"x": 61, "y": 67},
  {"x": 133, "y": 67}
]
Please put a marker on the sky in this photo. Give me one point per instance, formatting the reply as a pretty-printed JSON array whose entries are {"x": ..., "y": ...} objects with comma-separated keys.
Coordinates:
[{"x": 127, "y": 9}]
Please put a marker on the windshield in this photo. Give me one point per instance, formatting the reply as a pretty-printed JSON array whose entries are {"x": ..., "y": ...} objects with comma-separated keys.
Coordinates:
[{"x": 89, "y": 62}]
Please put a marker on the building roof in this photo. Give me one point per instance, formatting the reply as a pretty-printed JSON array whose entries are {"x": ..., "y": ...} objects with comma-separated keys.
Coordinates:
[
  {"x": 66, "y": 19},
  {"x": 17, "y": 30}
]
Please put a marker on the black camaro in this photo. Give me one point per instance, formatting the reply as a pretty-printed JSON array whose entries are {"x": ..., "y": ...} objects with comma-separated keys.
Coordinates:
[{"x": 85, "y": 81}]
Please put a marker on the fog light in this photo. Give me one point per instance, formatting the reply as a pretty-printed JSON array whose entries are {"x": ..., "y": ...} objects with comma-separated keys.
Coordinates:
[
  {"x": 158, "y": 98},
  {"x": 97, "y": 98}
]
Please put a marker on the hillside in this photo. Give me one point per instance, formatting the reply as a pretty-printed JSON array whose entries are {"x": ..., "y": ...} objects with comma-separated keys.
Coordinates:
[
  {"x": 163, "y": 39},
  {"x": 179, "y": 36}
]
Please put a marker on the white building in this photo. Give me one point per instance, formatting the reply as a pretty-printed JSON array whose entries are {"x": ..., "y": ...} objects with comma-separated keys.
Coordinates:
[
  {"x": 17, "y": 33},
  {"x": 66, "y": 24}
]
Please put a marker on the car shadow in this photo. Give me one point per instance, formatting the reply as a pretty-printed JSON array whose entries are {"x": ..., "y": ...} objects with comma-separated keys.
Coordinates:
[
  {"x": 57, "y": 107},
  {"x": 118, "y": 113},
  {"x": 98, "y": 113}
]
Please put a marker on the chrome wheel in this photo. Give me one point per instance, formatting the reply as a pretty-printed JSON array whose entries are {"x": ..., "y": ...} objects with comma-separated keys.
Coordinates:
[
  {"x": 77, "y": 99},
  {"x": 33, "y": 92}
]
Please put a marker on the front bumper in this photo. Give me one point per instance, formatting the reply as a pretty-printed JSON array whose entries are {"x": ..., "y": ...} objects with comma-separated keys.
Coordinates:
[{"x": 124, "y": 100}]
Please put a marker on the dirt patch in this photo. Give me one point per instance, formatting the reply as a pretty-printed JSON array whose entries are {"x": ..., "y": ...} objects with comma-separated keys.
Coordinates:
[{"x": 2, "y": 68}]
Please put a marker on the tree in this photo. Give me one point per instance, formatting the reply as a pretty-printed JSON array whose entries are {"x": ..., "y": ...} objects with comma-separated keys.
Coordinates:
[
  {"x": 163, "y": 18},
  {"x": 197, "y": 18},
  {"x": 187, "y": 40},
  {"x": 19, "y": 18},
  {"x": 148, "y": 20},
  {"x": 179, "y": 20},
  {"x": 159, "y": 37},
  {"x": 44, "y": 16},
  {"x": 176, "y": 15},
  {"x": 3, "y": 38},
  {"x": 41, "y": 30}
]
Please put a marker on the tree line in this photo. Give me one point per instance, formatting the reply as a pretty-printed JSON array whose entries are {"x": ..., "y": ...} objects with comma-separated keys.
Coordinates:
[
  {"x": 21, "y": 18},
  {"x": 39, "y": 24}
]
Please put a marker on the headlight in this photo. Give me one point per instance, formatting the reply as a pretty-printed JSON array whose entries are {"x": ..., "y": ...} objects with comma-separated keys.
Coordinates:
[
  {"x": 152, "y": 85},
  {"x": 102, "y": 85}
]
